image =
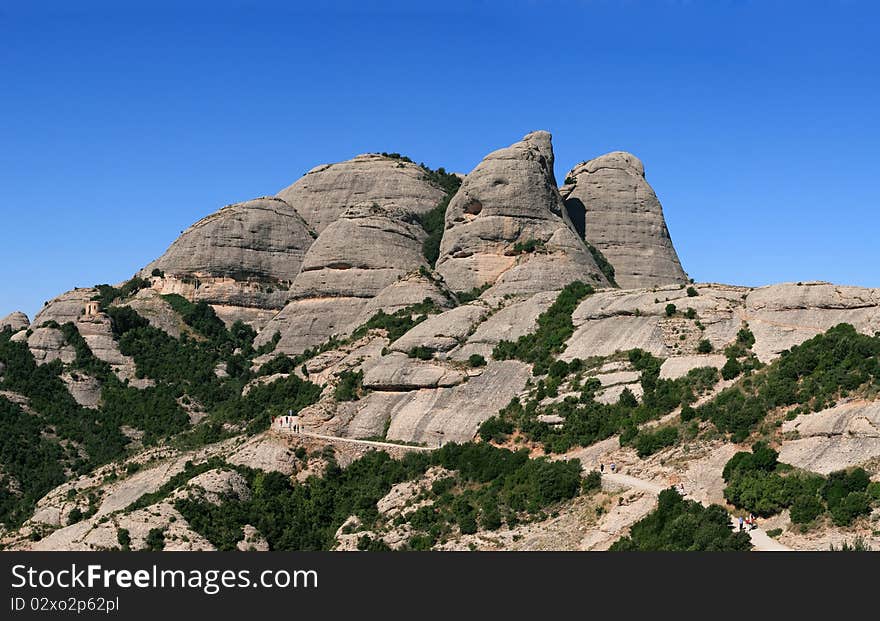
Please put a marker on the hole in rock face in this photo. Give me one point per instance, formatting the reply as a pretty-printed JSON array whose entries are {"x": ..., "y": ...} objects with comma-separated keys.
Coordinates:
[
  {"x": 473, "y": 207},
  {"x": 577, "y": 213}
]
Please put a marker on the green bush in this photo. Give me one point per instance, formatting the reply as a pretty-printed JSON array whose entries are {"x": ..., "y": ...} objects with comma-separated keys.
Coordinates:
[
  {"x": 670, "y": 310},
  {"x": 529, "y": 246},
  {"x": 683, "y": 525},
  {"x": 602, "y": 262},
  {"x": 692, "y": 293},
  {"x": 124, "y": 538},
  {"x": 155, "y": 540},
  {"x": 705, "y": 346},
  {"x": 476, "y": 360},
  {"x": 349, "y": 386},
  {"x": 649, "y": 442},
  {"x": 421, "y": 352},
  {"x": 591, "y": 482}
]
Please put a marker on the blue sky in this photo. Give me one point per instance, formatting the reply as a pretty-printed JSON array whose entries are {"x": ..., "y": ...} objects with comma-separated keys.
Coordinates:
[{"x": 123, "y": 123}]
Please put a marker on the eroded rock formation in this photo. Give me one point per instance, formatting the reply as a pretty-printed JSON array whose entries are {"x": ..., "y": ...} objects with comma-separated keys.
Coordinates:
[{"x": 615, "y": 209}]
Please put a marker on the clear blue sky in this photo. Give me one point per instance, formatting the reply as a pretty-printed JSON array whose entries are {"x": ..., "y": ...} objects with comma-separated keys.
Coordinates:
[{"x": 121, "y": 123}]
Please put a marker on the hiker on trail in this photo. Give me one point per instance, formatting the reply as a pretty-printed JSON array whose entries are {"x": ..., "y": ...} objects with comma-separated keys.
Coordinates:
[
  {"x": 612, "y": 466},
  {"x": 741, "y": 523},
  {"x": 752, "y": 522},
  {"x": 601, "y": 467}
]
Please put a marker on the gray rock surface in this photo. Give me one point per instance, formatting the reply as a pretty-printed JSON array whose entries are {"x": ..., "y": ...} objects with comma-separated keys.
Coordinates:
[
  {"x": 509, "y": 323},
  {"x": 324, "y": 193},
  {"x": 15, "y": 321},
  {"x": 398, "y": 372},
  {"x": 48, "y": 344},
  {"x": 444, "y": 331},
  {"x": 369, "y": 248},
  {"x": 786, "y": 314},
  {"x": 262, "y": 239},
  {"x": 840, "y": 437},
  {"x": 68, "y": 306},
  {"x": 413, "y": 288},
  {"x": 509, "y": 198},
  {"x": 245, "y": 254},
  {"x": 86, "y": 390},
  {"x": 614, "y": 209},
  {"x": 454, "y": 414}
]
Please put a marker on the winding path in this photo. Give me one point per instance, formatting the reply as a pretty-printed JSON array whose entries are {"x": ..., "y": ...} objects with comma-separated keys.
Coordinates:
[
  {"x": 761, "y": 541},
  {"x": 371, "y": 443}
]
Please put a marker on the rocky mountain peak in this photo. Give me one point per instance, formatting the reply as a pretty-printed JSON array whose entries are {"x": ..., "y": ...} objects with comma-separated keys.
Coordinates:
[
  {"x": 613, "y": 208},
  {"x": 509, "y": 213}
]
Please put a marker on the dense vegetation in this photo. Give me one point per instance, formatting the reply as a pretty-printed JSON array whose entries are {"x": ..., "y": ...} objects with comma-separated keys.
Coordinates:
[
  {"x": 758, "y": 483},
  {"x": 63, "y": 439},
  {"x": 554, "y": 329},
  {"x": 811, "y": 376},
  {"x": 586, "y": 420},
  {"x": 489, "y": 486},
  {"x": 680, "y": 525}
]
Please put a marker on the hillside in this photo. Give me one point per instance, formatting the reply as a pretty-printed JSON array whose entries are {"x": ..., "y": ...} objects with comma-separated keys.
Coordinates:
[{"x": 497, "y": 338}]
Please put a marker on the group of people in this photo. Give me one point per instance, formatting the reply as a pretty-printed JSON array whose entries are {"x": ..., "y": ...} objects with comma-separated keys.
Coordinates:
[
  {"x": 602, "y": 467},
  {"x": 749, "y": 522}
]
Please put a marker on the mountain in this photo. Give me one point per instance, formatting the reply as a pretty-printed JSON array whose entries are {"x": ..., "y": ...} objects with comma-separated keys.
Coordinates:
[{"x": 455, "y": 319}]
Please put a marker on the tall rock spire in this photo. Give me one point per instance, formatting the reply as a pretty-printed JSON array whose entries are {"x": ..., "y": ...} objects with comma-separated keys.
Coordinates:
[
  {"x": 613, "y": 208},
  {"x": 507, "y": 226}
]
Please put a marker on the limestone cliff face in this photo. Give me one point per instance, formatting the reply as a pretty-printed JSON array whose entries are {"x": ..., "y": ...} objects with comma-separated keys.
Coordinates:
[
  {"x": 507, "y": 225},
  {"x": 242, "y": 255},
  {"x": 324, "y": 193},
  {"x": 614, "y": 209}
]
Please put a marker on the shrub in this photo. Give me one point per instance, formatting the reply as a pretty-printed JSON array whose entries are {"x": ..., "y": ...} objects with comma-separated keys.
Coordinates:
[
  {"x": 670, "y": 310},
  {"x": 529, "y": 246},
  {"x": 731, "y": 369},
  {"x": 602, "y": 262},
  {"x": 155, "y": 540},
  {"x": 692, "y": 293},
  {"x": 591, "y": 482},
  {"x": 495, "y": 429},
  {"x": 349, "y": 386},
  {"x": 421, "y": 352},
  {"x": 805, "y": 509},
  {"x": 683, "y": 525},
  {"x": 476, "y": 360},
  {"x": 649, "y": 442},
  {"x": 704, "y": 346},
  {"x": 745, "y": 337}
]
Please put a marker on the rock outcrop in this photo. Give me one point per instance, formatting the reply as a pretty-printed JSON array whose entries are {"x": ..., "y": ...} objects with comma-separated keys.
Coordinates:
[
  {"x": 67, "y": 307},
  {"x": 244, "y": 255},
  {"x": 324, "y": 193},
  {"x": 368, "y": 249},
  {"x": 840, "y": 437},
  {"x": 14, "y": 321},
  {"x": 614, "y": 209},
  {"x": 507, "y": 226}
]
